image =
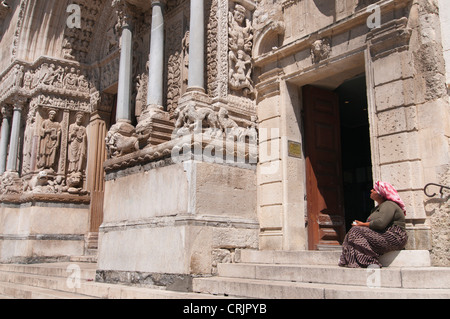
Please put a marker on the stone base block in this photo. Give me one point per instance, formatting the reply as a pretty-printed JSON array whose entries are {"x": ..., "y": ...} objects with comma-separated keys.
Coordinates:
[
  {"x": 31, "y": 234},
  {"x": 170, "y": 251},
  {"x": 164, "y": 224}
]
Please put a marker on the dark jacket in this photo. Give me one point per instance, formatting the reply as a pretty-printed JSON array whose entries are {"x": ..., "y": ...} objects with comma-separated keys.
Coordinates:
[{"x": 385, "y": 215}]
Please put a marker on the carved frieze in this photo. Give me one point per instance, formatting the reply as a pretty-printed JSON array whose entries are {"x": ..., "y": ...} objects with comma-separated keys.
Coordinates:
[
  {"x": 193, "y": 118},
  {"x": 59, "y": 102},
  {"x": 57, "y": 79}
]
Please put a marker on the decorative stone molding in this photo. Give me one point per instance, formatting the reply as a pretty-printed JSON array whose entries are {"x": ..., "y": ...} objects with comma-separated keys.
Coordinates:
[
  {"x": 18, "y": 30},
  {"x": 391, "y": 36},
  {"x": 55, "y": 83},
  {"x": 21, "y": 198},
  {"x": 287, "y": 3}
]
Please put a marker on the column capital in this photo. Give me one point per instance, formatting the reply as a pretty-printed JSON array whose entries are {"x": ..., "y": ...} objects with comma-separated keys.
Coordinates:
[
  {"x": 125, "y": 13},
  {"x": 6, "y": 111},
  {"x": 19, "y": 102}
]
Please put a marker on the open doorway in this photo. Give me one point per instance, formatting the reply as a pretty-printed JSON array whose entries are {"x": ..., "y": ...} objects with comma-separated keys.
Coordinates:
[
  {"x": 337, "y": 159},
  {"x": 355, "y": 149}
]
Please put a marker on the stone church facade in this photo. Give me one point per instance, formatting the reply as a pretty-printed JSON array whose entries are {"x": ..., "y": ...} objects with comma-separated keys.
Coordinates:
[{"x": 164, "y": 135}]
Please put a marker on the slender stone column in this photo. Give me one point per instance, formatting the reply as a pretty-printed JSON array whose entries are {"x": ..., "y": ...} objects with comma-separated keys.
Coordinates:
[
  {"x": 196, "y": 81},
  {"x": 4, "y": 138},
  {"x": 156, "y": 68},
  {"x": 15, "y": 135},
  {"x": 123, "y": 113}
]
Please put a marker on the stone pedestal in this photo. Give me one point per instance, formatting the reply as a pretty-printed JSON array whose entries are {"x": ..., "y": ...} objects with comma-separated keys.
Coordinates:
[
  {"x": 154, "y": 127},
  {"x": 168, "y": 232}
]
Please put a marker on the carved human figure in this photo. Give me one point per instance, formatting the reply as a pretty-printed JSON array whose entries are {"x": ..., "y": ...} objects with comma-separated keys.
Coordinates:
[
  {"x": 320, "y": 50},
  {"x": 240, "y": 46},
  {"x": 50, "y": 136},
  {"x": 77, "y": 145},
  {"x": 28, "y": 140}
]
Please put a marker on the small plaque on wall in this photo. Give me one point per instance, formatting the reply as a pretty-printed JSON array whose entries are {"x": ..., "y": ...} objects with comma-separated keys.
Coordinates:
[{"x": 294, "y": 149}]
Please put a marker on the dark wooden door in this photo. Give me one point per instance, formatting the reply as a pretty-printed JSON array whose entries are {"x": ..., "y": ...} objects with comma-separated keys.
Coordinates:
[{"x": 326, "y": 226}]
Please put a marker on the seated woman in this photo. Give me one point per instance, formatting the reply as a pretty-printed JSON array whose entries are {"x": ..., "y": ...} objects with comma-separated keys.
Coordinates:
[{"x": 383, "y": 231}]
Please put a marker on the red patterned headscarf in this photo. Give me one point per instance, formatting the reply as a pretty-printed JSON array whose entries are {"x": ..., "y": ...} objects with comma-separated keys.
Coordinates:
[{"x": 389, "y": 193}]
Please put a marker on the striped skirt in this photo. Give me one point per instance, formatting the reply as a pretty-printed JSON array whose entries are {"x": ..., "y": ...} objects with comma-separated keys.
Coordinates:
[{"x": 363, "y": 246}]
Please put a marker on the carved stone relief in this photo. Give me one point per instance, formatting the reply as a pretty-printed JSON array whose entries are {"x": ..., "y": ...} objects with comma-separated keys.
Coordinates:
[
  {"x": 240, "y": 39},
  {"x": 54, "y": 160},
  {"x": 77, "y": 41},
  {"x": 193, "y": 118},
  {"x": 49, "y": 143},
  {"x": 177, "y": 57},
  {"x": 212, "y": 43},
  {"x": 77, "y": 145},
  {"x": 320, "y": 50},
  {"x": 57, "y": 77},
  {"x": 119, "y": 144}
]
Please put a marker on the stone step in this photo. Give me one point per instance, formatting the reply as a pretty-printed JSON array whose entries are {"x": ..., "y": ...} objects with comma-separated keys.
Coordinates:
[
  {"x": 418, "y": 278},
  {"x": 315, "y": 274},
  {"x": 402, "y": 258},
  {"x": 17, "y": 291},
  {"x": 265, "y": 289},
  {"x": 84, "y": 259},
  {"x": 47, "y": 280},
  {"x": 85, "y": 271}
]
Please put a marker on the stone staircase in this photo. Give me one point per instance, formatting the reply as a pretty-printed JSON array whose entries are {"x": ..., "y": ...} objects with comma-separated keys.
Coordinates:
[
  {"x": 315, "y": 275},
  {"x": 72, "y": 280},
  {"x": 255, "y": 274}
]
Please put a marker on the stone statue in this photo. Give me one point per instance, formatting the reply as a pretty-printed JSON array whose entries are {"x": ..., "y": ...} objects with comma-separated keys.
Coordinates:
[
  {"x": 77, "y": 145},
  {"x": 240, "y": 50},
  {"x": 50, "y": 137},
  {"x": 320, "y": 50}
]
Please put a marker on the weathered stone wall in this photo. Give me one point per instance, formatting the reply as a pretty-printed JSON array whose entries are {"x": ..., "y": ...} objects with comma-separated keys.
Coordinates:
[
  {"x": 438, "y": 210},
  {"x": 444, "y": 15}
]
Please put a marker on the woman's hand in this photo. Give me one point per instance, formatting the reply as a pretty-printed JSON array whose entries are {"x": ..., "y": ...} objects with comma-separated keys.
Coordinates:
[{"x": 358, "y": 223}]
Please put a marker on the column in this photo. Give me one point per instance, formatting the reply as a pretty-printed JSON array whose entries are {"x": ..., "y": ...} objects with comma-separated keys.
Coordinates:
[
  {"x": 123, "y": 113},
  {"x": 4, "y": 138},
  {"x": 156, "y": 68},
  {"x": 15, "y": 135},
  {"x": 196, "y": 81}
]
